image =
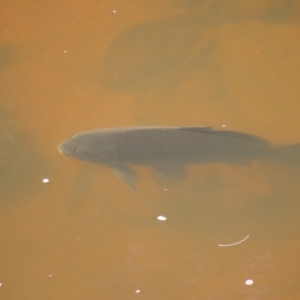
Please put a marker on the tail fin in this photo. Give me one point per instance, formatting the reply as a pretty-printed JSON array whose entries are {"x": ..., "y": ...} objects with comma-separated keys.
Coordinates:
[{"x": 288, "y": 154}]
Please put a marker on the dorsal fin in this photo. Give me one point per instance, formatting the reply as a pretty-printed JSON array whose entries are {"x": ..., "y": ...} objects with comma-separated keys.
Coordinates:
[{"x": 240, "y": 135}]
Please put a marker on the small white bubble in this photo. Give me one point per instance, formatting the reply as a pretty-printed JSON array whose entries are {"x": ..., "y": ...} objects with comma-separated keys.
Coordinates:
[
  {"x": 165, "y": 189},
  {"x": 249, "y": 282},
  {"x": 114, "y": 11},
  {"x": 50, "y": 275},
  {"x": 161, "y": 218},
  {"x": 46, "y": 180},
  {"x": 223, "y": 125},
  {"x": 65, "y": 51},
  {"x": 137, "y": 291},
  {"x": 0, "y": 283}
]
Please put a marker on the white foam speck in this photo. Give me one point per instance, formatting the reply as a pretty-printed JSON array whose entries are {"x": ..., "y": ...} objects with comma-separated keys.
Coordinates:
[
  {"x": 161, "y": 218},
  {"x": 249, "y": 282},
  {"x": 46, "y": 180}
]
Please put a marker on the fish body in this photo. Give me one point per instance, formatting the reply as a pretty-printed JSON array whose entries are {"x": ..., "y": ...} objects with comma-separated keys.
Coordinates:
[
  {"x": 168, "y": 149},
  {"x": 148, "y": 50}
]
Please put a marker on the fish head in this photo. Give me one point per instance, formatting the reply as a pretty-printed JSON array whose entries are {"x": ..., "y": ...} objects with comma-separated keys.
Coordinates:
[{"x": 87, "y": 147}]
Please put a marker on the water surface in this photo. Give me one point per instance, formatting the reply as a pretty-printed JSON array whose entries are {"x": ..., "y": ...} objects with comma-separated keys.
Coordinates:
[{"x": 69, "y": 67}]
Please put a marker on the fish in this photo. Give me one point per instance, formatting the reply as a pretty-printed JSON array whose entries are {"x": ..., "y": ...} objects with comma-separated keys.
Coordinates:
[
  {"x": 145, "y": 51},
  {"x": 170, "y": 149}
]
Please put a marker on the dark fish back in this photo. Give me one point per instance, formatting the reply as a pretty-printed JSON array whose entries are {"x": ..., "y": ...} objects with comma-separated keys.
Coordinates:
[{"x": 182, "y": 145}]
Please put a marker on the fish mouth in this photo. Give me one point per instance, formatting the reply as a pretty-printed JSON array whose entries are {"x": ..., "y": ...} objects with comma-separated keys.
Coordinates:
[{"x": 62, "y": 150}]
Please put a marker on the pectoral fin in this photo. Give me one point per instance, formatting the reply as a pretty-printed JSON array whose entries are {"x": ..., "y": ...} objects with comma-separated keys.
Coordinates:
[
  {"x": 176, "y": 172},
  {"x": 127, "y": 175}
]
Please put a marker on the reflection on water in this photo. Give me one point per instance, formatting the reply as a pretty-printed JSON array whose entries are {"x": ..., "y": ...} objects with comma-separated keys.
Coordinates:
[
  {"x": 7, "y": 56},
  {"x": 150, "y": 50},
  {"x": 21, "y": 167},
  {"x": 83, "y": 235},
  {"x": 20, "y": 163},
  {"x": 142, "y": 57}
]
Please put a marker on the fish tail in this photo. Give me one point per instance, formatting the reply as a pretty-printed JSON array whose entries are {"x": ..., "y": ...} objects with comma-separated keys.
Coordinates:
[{"x": 288, "y": 154}]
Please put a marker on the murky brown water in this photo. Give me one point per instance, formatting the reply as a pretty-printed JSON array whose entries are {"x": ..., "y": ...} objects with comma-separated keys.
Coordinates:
[{"x": 67, "y": 67}]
